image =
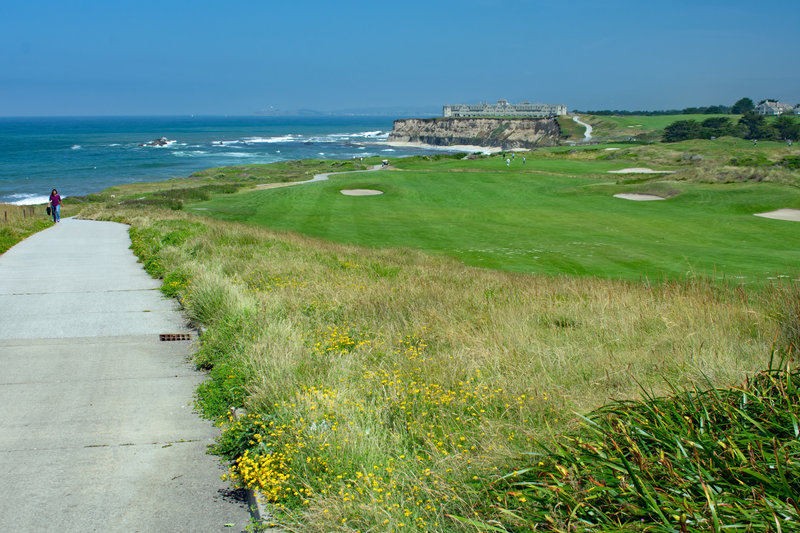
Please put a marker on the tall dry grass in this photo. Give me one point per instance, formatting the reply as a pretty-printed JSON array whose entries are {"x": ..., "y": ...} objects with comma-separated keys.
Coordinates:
[
  {"x": 388, "y": 388},
  {"x": 18, "y": 221}
]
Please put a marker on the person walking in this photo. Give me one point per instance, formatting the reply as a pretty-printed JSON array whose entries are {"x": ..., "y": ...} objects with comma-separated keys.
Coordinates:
[{"x": 55, "y": 206}]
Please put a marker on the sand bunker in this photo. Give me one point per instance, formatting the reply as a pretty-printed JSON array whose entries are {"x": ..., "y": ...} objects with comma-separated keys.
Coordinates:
[
  {"x": 638, "y": 197},
  {"x": 610, "y": 149},
  {"x": 360, "y": 192},
  {"x": 640, "y": 170},
  {"x": 782, "y": 214}
]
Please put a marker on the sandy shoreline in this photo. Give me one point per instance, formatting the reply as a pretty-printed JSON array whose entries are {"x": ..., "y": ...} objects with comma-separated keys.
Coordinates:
[{"x": 455, "y": 148}]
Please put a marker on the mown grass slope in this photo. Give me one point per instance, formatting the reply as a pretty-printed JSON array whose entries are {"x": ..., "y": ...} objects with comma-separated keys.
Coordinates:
[
  {"x": 639, "y": 127},
  {"x": 553, "y": 214}
]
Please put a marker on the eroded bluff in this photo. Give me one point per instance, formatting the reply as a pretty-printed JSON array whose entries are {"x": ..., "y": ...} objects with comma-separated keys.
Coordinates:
[{"x": 488, "y": 132}]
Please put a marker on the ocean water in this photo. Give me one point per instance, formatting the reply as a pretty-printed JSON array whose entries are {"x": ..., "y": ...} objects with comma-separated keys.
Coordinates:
[{"x": 80, "y": 156}]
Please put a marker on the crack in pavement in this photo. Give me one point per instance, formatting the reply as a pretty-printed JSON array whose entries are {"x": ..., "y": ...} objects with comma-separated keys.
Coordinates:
[{"x": 165, "y": 444}]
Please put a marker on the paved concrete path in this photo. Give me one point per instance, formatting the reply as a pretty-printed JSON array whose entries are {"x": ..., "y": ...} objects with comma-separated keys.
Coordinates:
[
  {"x": 587, "y": 136},
  {"x": 97, "y": 430}
]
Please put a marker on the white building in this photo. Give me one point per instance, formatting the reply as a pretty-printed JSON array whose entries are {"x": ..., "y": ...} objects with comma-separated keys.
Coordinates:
[
  {"x": 504, "y": 109},
  {"x": 772, "y": 107}
]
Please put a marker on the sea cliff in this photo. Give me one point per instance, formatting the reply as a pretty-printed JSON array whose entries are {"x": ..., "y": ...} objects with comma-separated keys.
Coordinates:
[{"x": 484, "y": 132}]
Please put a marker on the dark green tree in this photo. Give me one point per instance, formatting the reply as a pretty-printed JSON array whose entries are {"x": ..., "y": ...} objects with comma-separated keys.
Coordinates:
[
  {"x": 742, "y": 106},
  {"x": 787, "y": 127},
  {"x": 717, "y": 127},
  {"x": 755, "y": 126},
  {"x": 682, "y": 130}
]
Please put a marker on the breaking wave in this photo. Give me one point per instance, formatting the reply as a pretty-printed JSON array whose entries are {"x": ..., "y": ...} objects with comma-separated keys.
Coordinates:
[{"x": 26, "y": 199}]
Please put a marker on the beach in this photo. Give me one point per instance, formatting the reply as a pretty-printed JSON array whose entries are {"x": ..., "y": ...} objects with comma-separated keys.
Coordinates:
[{"x": 454, "y": 148}]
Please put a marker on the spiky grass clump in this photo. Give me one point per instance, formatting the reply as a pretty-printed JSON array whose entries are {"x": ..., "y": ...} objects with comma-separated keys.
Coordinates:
[{"x": 712, "y": 460}]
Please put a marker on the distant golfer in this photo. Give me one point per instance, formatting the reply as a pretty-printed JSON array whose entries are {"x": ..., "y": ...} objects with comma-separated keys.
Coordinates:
[
  {"x": 55, "y": 206},
  {"x": 508, "y": 162}
]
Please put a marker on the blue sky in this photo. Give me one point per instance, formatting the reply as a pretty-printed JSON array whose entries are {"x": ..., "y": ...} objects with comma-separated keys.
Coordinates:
[{"x": 240, "y": 56}]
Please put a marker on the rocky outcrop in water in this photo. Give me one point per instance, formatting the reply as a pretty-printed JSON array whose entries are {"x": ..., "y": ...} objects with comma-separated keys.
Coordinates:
[
  {"x": 163, "y": 141},
  {"x": 487, "y": 132}
]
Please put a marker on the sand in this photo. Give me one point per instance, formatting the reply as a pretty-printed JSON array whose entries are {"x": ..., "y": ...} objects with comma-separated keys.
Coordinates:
[
  {"x": 360, "y": 192},
  {"x": 782, "y": 214},
  {"x": 455, "y": 148},
  {"x": 638, "y": 197},
  {"x": 640, "y": 170}
]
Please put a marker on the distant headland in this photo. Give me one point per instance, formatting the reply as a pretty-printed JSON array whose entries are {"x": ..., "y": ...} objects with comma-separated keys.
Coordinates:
[{"x": 501, "y": 126}]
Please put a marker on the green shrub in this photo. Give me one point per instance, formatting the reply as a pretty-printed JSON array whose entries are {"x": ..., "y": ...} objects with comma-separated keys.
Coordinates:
[
  {"x": 756, "y": 160},
  {"x": 174, "y": 283},
  {"x": 695, "y": 461},
  {"x": 224, "y": 389},
  {"x": 791, "y": 162}
]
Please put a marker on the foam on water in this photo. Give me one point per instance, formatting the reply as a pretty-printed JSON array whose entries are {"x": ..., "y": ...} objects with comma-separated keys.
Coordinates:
[
  {"x": 191, "y": 153},
  {"x": 101, "y": 152},
  {"x": 241, "y": 154},
  {"x": 270, "y": 140},
  {"x": 27, "y": 199}
]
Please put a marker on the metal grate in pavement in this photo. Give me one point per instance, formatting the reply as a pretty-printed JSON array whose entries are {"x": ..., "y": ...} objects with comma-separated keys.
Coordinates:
[{"x": 174, "y": 337}]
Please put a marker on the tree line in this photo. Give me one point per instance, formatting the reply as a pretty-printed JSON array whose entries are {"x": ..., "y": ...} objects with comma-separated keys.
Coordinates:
[
  {"x": 742, "y": 106},
  {"x": 709, "y": 110},
  {"x": 750, "y": 126}
]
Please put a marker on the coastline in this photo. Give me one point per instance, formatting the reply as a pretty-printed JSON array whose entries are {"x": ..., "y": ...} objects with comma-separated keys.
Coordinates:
[
  {"x": 471, "y": 148},
  {"x": 86, "y": 155},
  {"x": 453, "y": 148}
]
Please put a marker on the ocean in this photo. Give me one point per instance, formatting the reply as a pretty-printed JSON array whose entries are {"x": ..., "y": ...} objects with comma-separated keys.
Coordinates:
[{"x": 79, "y": 156}]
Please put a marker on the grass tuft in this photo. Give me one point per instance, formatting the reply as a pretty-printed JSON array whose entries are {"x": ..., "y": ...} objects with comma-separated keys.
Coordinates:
[{"x": 698, "y": 460}]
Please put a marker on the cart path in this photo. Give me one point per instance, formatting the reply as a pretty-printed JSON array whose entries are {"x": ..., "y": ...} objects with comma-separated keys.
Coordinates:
[
  {"x": 97, "y": 430},
  {"x": 317, "y": 177},
  {"x": 587, "y": 136}
]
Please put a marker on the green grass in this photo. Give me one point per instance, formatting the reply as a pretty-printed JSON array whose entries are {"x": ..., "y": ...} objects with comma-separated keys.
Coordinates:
[
  {"x": 641, "y": 127},
  {"x": 525, "y": 219},
  {"x": 570, "y": 129}
]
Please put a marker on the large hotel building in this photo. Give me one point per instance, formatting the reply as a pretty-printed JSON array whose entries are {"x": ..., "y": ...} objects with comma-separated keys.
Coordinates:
[{"x": 504, "y": 109}]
